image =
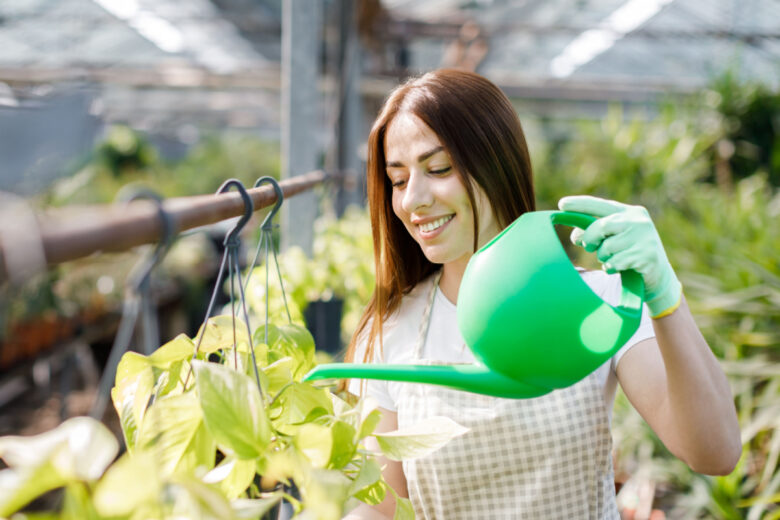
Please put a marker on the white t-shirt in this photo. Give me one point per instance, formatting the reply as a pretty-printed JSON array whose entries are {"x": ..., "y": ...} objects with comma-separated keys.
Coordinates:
[{"x": 445, "y": 343}]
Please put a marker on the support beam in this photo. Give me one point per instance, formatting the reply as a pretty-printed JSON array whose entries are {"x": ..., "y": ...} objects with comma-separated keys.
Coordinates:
[{"x": 301, "y": 22}]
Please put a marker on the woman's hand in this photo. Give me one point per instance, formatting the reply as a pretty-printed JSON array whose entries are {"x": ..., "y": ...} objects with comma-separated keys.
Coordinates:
[{"x": 624, "y": 237}]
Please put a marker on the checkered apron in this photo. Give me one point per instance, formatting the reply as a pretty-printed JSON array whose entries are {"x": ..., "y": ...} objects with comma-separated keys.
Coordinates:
[{"x": 542, "y": 458}]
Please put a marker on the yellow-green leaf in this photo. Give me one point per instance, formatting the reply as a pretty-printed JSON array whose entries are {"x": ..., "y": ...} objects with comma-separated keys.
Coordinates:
[
  {"x": 344, "y": 444},
  {"x": 369, "y": 475},
  {"x": 81, "y": 448},
  {"x": 233, "y": 476},
  {"x": 219, "y": 334},
  {"x": 232, "y": 409},
  {"x": 279, "y": 373},
  {"x": 130, "y": 482},
  {"x": 369, "y": 424},
  {"x": 179, "y": 348},
  {"x": 20, "y": 486},
  {"x": 174, "y": 429},
  {"x": 316, "y": 442},
  {"x": 134, "y": 387},
  {"x": 297, "y": 402},
  {"x": 419, "y": 439}
]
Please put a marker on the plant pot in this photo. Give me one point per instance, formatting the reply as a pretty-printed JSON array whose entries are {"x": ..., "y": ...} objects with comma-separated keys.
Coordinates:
[{"x": 323, "y": 319}]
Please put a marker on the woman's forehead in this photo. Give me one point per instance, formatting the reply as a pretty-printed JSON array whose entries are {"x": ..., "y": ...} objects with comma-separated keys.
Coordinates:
[{"x": 407, "y": 138}]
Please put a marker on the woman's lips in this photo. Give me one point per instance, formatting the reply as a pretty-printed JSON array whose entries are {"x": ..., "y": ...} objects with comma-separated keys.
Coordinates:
[{"x": 438, "y": 225}]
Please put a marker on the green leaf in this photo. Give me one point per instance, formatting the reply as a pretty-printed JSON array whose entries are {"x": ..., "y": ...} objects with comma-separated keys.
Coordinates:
[
  {"x": 419, "y": 439},
  {"x": 279, "y": 374},
  {"x": 369, "y": 424},
  {"x": 261, "y": 354},
  {"x": 343, "y": 410},
  {"x": 196, "y": 499},
  {"x": 232, "y": 409},
  {"x": 81, "y": 448},
  {"x": 297, "y": 402},
  {"x": 130, "y": 395},
  {"x": 233, "y": 476},
  {"x": 316, "y": 442},
  {"x": 219, "y": 334},
  {"x": 174, "y": 429},
  {"x": 344, "y": 444},
  {"x": 170, "y": 381},
  {"x": 369, "y": 475},
  {"x": 77, "y": 503},
  {"x": 179, "y": 348},
  {"x": 284, "y": 465},
  {"x": 289, "y": 340},
  {"x": 130, "y": 365},
  {"x": 324, "y": 493},
  {"x": 20, "y": 486},
  {"x": 373, "y": 494},
  {"x": 132, "y": 481}
]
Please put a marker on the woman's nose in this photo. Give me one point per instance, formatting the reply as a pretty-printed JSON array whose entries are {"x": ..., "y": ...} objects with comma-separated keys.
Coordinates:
[{"x": 417, "y": 193}]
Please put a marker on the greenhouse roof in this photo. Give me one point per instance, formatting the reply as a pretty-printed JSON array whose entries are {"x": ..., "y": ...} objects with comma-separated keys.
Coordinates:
[
  {"x": 126, "y": 34},
  {"x": 682, "y": 43},
  {"x": 637, "y": 43}
]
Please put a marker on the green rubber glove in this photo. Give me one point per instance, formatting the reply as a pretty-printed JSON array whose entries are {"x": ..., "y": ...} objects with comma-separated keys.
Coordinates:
[{"x": 624, "y": 237}]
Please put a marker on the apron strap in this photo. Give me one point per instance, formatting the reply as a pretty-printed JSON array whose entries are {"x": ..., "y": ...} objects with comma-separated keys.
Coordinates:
[{"x": 425, "y": 322}]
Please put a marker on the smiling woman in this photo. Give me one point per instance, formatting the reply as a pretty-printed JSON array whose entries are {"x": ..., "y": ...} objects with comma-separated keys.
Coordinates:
[
  {"x": 448, "y": 170},
  {"x": 430, "y": 199}
]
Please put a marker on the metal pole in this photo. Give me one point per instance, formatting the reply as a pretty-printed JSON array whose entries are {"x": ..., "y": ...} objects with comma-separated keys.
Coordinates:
[
  {"x": 301, "y": 20},
  {"x": 350, "y": 118},
  {"x": 71, "y": 233}
]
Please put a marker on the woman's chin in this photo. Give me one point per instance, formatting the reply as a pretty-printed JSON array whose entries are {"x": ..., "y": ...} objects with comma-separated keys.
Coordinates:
[
  {"x": 435, "y": 256},
  {"x": 439, "y": 256}
]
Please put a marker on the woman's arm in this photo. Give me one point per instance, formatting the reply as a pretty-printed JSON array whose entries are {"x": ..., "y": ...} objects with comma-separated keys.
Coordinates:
[
  {"x": 392, "y": 471},
  {"x": 674, "y": 380},
  {"x": 676, "y": 384}
]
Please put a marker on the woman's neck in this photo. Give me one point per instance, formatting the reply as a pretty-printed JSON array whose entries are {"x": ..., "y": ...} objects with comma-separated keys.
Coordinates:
[{"x": 452, "y": 274}]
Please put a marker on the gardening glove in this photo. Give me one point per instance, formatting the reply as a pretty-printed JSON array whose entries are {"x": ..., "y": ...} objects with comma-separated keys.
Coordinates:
[{"x": 624, "y": 237}]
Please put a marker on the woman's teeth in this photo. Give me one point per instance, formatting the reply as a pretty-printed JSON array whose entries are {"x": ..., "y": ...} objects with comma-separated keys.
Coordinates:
[{"x": 430, "y": 226}]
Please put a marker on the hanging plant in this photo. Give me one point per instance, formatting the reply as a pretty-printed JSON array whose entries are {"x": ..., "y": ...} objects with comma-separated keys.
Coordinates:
[{"x": 216, "y": 447}]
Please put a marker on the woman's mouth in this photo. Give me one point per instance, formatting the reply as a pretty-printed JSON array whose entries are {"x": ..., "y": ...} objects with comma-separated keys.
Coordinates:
[{"x": 433, "y": 228}]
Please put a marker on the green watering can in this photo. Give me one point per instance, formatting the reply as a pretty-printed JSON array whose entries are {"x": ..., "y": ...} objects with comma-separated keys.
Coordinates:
[{"x": 531, "y": 321}]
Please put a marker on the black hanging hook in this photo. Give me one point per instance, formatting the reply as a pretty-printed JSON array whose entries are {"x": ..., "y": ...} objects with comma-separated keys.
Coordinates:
[
  {"x": 267, "y": 222},
  {"x": 230, "y": 259},
  {"x": 231, "y": 239},
  {"x": 266, "y": 229},
  {"x": 143, "y": 271},
  {"x": 137, "y": 300}
]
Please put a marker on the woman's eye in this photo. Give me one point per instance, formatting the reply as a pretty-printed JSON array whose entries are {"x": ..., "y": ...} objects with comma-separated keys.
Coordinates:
[
  {"x": 398, "y": 184},
  {"x": 439, "y": 171}
]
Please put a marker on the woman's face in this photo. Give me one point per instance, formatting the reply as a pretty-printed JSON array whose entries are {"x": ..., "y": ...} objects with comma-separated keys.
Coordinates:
[{"x": 428, "y": 195}]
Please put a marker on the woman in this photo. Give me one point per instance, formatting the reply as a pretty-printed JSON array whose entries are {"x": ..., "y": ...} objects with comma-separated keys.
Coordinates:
[{"x": 448, "y": 168}]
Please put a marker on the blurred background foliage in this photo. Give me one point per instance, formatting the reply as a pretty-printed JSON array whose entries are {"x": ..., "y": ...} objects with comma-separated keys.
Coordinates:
[{"x": 127, "y": 157}]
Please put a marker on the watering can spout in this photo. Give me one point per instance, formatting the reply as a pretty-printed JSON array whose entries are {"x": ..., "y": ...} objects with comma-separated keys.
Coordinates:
[{"x": 475, "y": 378}]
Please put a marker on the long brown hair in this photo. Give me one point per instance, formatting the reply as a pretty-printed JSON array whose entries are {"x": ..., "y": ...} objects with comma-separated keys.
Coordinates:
[{"x": 480, "y": 131}]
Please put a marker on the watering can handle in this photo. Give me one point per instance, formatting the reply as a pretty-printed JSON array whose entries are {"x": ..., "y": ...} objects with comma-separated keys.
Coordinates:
[{"x": 633, "y": 285}]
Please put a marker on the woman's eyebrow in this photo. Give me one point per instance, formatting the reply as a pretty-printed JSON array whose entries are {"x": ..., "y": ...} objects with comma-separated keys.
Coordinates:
[{"x": 420, "y": 158}]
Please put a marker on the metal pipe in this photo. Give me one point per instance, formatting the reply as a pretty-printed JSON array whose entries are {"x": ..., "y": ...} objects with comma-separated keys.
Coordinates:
[{"x": 66, "y": 236}]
